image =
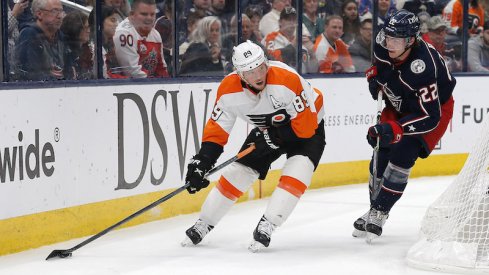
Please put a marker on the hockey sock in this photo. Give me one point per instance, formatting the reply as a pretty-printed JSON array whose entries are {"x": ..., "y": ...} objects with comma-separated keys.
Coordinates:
[
  {"x": 281, "y": 204},
  {"x": 234, "y": 181},
  {"x": 216, "y": 205},
  {"x": 296, "y": 177},
  {"x": 393, "y": 185}
]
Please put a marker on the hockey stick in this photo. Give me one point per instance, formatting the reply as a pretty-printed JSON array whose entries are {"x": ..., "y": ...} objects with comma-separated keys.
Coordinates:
[
  {"x": 376, "y": 148},
  {"x": 68, "y": 252}
]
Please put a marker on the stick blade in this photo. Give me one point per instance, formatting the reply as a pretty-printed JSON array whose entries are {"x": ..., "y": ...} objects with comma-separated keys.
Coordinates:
[{"x": 59, "y": 254}]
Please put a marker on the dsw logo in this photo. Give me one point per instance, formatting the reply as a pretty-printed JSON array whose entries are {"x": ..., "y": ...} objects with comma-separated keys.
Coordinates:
[
  {"x": 153, "y": 119},
  {"x": 19, "y": 161}
]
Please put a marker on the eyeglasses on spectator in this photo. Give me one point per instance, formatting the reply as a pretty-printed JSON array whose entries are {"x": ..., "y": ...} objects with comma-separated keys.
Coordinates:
[{"x": 55, "y": 12}]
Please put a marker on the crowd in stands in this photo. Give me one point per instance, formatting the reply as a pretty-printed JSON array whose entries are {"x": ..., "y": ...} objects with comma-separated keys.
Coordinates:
[{"x": 49, "y": 40}]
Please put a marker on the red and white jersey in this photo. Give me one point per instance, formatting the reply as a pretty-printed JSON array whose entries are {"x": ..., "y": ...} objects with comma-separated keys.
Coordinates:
[
  {"x": 328, "y": 56},
  {"x": 285, "y": 89},
  {"x": 139, "y": 56}
]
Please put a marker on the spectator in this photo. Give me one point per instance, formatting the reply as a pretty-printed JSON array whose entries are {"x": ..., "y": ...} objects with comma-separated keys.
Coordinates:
[
  {"x": 437, "y": 31},
  {"x": 331, "y": 52},
  {"x": 264, "y": 6},
  {"x": 122, "y": 7},
  {"x": 164, "y": 26},
  {"x": 218, "y": 9},
  {"x": 13, "y": 30},
  {"x": 203, "y": 6},
  {"x": 351, "y": 21},
  {"x": 478, "y": 54},
  {"x": 255, "y": 14},
  {"x": 193, "y": 19},
  {"x": 109, "y": 17},
  {"x": 418, "y": 6},
  {"x": 476, "y": 18},
  {"x": 361, "y": 49},
  {"x": 281, "y": 45},
  {"x": 138, "y": 45},
  {"x": 332, "y": 7},
  {"x": 76, "y": 29},
  {"x": 311, "y": 19},
  {"x": 269, "y": 22},
  {"x": 203, "y": 56},
  {"x": 448, "y": 11},
  {"x": 437, "y": 36},
  {"x": 40, "y": 53},
  {"x": 386, "y": 8},
  {"x": 25, "y": 17}
]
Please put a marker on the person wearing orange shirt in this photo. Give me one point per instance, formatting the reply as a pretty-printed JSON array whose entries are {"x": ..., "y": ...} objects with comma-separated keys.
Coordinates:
[
  {"x": 287, "y": 113},
  {"x": 475, "y": 20},
  {"x": 331, "y": 52}
]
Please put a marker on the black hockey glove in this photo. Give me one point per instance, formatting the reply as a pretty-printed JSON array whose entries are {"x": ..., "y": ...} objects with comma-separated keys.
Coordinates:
[
  {"x": 277, "y": 119},
  {"x": 389, "y": 133},
  {"x": 265, "y": 142},
  {"x": 196, "y": 170},
  {"x": 373, "y": 85}
]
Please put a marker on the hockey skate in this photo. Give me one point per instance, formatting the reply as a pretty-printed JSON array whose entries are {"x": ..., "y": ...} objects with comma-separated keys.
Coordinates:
[
  {"x": 375, "y": 221},
  {"x": 262, "y": 235},
  {"x": 359, "y": 226},
  {"x": 196, "y": 233}
]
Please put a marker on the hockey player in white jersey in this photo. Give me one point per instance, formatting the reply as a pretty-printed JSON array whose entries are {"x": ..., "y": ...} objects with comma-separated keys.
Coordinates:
[
  {"x": 138, "y": 46},
  {"x": 288, "y": 115}
]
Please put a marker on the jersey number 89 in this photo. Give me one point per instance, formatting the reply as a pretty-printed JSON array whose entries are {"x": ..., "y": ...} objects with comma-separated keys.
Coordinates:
[{"x": 300, "y": 102}]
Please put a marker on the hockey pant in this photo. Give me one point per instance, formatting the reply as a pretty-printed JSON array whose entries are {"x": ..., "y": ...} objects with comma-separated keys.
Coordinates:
[{"x": 238, "y": 178}]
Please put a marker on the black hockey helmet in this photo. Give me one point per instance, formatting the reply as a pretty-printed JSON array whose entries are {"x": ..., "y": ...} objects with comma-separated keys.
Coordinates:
[{"x": 402, "y": 24}]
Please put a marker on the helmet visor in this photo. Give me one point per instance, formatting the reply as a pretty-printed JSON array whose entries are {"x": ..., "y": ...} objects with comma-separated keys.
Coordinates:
[{"x": 392, "y": 43}]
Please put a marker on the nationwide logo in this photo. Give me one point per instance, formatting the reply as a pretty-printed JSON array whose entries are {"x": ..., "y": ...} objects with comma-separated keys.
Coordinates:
[{"x": 19, "y": 161}]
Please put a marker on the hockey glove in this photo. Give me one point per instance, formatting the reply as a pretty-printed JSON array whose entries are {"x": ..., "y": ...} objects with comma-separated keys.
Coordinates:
[
  {"x": 196, "y": 170},
  {"x": 265, "y": 142},
  {"x": 373, "y": 85},
  {"x": 277, "y": 119},
  {"x": 389, "y": 133}
]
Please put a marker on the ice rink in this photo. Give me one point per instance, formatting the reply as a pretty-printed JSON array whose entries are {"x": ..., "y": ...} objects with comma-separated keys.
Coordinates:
[{"x": 315, "y": 240}]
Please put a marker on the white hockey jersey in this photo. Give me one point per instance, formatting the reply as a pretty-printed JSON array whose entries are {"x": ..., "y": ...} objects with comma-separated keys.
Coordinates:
[
  {"x": 139, "y": 56},
  {"x": 285, "y": 89}
]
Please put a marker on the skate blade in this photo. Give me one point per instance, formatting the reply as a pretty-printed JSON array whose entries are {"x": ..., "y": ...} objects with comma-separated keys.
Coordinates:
[
  {"x": 370, "y": 237},
  {"x": 359, "y": 233},
  {"x": 255, "y": 246},
  {"x": 187, "y": 242}
]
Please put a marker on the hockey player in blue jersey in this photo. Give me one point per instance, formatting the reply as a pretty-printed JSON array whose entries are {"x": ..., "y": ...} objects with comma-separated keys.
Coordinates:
[{"x": 417, "y": 87}]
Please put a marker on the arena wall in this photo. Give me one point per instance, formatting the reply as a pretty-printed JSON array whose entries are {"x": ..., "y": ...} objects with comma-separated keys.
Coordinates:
[{"x": 74, "y": 161}]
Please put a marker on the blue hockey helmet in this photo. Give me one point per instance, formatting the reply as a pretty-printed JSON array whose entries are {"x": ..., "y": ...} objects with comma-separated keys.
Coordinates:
[{"x": 402, "y": 24}]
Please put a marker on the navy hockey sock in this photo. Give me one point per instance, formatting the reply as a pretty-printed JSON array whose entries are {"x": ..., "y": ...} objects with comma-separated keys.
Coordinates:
[{"x": 393, "y": 185}]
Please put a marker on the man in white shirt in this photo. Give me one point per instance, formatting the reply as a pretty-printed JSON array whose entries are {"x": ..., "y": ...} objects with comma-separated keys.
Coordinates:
[
  {"x": 269, "y": 21},
  {"x": 138, "y": 46}
]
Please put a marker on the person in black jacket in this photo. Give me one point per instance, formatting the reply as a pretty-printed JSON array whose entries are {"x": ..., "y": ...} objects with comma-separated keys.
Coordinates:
[{"x": 40, "y": 52}]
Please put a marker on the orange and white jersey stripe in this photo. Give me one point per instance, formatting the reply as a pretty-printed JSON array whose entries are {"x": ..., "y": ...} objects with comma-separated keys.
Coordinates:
[
  {"x": 327, "y": 55},
  {"x": 285, "y": 89}
]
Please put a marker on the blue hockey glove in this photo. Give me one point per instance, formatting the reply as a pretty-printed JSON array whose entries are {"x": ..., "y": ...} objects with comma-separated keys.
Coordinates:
[
  {"x": 276, "y": 119},
  {"x": 196, "y": 170},
  {"x": 389, "y": 133}
]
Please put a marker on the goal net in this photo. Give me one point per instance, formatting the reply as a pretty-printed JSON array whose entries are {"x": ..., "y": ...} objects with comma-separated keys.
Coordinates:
[{"x": 454, "y": 233}]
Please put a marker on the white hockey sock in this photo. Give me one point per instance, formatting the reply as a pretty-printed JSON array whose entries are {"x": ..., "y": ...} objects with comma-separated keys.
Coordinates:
[
  {"x": 281, "y": 204},
  {"x": 216, "y": 205}
]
